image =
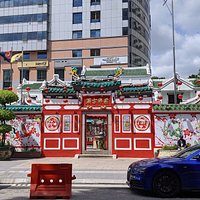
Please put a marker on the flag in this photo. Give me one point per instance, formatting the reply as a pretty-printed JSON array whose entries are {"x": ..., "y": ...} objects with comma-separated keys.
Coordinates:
[
  {"x": 6, "y": 55},
  {"x": 16, "y": 57}
]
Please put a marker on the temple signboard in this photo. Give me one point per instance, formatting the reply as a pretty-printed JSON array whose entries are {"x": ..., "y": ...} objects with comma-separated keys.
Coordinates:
[{"x": 96, "y": 101}]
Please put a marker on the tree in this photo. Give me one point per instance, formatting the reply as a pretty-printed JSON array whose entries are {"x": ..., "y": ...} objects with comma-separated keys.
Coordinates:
[{"x": 6, "y": 97}]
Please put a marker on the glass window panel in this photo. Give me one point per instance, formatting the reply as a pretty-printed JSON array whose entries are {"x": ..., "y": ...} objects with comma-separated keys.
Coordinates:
[
  {"x": 125, "y": 13},
  {"x": 95, "y": 33},
  {"x": 95, "y": 52},
  {"x": 60, "y": 72},
  {"x": 77, "y": 3},
  {"x": 125, "y": 31},
  {"x": 77, "y": 18},
  {"x": 41, "y": 74},
  {"x": 76, "y": 53},
  {"x": 41, "y": 55},
  {"x": 95, "y": 2},
  {"x": 95, "y": 16},
  {"x": 76, "y": 34}
]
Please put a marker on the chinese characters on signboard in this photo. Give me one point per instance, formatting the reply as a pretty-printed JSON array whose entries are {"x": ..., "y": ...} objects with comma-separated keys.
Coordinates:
[{"x": 97, "y": 101}]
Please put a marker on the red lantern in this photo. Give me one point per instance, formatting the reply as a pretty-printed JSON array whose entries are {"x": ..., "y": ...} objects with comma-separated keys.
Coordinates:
[
  {"x": 28, "y": 89},
  {"x": 140, "y": 98},
  {"x": 179, "y": 83},
  {"x": 160, "y": 84},
  {"x": 83, "y": 88},
  {"x": 10, "y": 88},
  {"x": 65, "y": 100},
  {"x": 180, "y": 96},
  {"x": 46, "y": 90},
  {"x": 102, "y": 88},
  {"x": 121, "y": 98},
  {"x": 29, "y": 100},
  {"x": 120, "y": 87},
  {"x": 65, "y": 89},
  {"x": 47, "y": 100},
  {"x": 160, "y": 97}
]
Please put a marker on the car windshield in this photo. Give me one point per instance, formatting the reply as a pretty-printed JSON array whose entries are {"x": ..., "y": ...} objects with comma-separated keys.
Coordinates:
[{"x": 187, "y": 152}]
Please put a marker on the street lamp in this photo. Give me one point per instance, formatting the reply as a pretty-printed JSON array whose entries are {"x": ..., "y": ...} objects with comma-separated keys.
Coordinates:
[{"x": 174, "y": 53}]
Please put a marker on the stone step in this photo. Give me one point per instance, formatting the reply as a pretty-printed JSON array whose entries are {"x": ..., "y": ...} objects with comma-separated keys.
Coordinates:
[{"x": 94, "y": 155}]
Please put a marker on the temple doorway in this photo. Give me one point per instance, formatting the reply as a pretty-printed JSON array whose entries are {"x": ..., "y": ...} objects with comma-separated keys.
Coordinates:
[{"x": 96, "y": 132}]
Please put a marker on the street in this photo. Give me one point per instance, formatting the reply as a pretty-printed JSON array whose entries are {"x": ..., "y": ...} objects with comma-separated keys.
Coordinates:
[{"x": 88, "y": 192}]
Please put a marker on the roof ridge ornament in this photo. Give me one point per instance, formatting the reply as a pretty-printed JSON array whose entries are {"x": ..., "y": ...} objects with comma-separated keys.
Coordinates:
[{"x": 118, "y": 72}]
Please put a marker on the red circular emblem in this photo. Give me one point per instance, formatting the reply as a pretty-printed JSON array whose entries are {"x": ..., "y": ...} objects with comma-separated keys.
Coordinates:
[
  {"x": 52, "y": 123},
  {"x": 142, "y": 123}
]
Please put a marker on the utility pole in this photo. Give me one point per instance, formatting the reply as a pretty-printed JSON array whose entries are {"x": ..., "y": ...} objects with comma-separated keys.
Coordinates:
[{"x": 174, "y": 49}]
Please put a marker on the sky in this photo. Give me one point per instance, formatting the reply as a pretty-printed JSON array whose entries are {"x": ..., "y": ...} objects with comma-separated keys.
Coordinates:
[{"x": 187, "y": 38}]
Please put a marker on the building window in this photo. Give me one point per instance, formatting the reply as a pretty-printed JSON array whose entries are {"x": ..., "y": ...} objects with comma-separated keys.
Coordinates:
[
  {"x": 25, "y": 74},
  {"x": 171, "y": 99},
  {"x": 42, "y": 55},
  {"x": 124, "y": 1},
  {"x": 77, "y": 3},
  {"x": 95, "y": 2},
  {"x": 95, "y": 16},
  {"x": 60, "y": 72},
  {"x": 125, "y": 13},
  {"x": 124, "y": 30},
  {"x": 77, "y": 18},
  {"x": 77, "y": 34},
  {"x": 77, "y": 53},
  {"x": 7, "y": 82},
  {"x": 26, "y": 56},
  {"x": 95, "y": 52},
  {"x": 41, "y": 74},
  {"x": 95, "y": 33}
]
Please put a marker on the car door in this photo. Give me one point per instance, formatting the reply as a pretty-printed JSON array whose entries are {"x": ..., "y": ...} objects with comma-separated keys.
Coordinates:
[{"x": 190, "y": 172}]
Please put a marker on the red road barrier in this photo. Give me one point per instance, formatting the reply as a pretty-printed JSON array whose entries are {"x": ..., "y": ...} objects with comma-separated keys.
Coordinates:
[{"x": 51, "y": 181}]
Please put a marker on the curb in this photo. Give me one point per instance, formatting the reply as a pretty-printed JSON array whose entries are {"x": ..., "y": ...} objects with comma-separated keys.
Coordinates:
[{"x": 74, "y": 182}]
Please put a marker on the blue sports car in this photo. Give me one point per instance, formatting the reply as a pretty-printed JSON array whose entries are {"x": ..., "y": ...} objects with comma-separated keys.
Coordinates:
[{"x": 166, "y": 177}]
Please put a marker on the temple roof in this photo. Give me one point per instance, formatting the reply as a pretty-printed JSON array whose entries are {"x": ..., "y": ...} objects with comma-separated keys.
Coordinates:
[
  {"x": 24, "y": 108},
  {"x": 177, "y": 107},
  {"x": 127, "y": 72}
]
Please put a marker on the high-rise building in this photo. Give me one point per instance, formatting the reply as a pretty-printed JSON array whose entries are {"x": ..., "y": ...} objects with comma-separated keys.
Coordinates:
[{"x": 56, "y": 35}]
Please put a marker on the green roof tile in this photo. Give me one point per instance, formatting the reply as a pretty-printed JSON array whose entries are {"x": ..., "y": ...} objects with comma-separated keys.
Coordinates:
[
  {"x": 25, "y": 108},
  {"x": 33, "y": 86},
  {"x": 177, "y": 107},
  {"x": 61, "y": 90},
  {"x": 126, "y": 72}
]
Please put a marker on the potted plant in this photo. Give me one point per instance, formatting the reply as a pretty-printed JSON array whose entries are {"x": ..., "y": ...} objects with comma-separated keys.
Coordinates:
[{"x": 6, "y": 97}]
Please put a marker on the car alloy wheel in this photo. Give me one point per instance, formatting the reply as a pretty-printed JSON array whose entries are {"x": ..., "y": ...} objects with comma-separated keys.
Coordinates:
[{"x": 166, "y": 184}]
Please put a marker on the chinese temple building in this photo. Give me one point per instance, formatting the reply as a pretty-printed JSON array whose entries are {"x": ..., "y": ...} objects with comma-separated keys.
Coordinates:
[{"x": 96, "y": 115}]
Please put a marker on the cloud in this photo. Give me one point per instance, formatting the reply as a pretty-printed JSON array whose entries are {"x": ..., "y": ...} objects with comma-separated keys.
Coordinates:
[{"x": 187, "y": 38}]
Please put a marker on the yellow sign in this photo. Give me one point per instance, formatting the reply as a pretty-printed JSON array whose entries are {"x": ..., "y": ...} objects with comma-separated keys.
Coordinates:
[{"x": 33, "y": 64}]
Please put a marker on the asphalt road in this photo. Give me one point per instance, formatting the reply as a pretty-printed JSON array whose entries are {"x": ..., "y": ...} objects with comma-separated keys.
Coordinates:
[{"x": 89, "y": 192}]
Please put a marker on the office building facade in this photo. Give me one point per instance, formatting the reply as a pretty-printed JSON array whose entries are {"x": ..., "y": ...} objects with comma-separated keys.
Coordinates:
[{"x": 56, "y": 35}]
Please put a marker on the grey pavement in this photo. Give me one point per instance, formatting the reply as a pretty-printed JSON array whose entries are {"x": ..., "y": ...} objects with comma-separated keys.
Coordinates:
[{"x": 86, "y": 170}]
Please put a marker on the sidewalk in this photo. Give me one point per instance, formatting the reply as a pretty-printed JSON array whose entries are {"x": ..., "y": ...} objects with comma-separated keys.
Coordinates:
[{"x": 86, "y": 170}]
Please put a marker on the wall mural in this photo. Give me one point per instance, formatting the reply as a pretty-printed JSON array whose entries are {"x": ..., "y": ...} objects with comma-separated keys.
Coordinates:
[
  {"x": 26, "y": 131},
  {"x": 168, "y": 128}
]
